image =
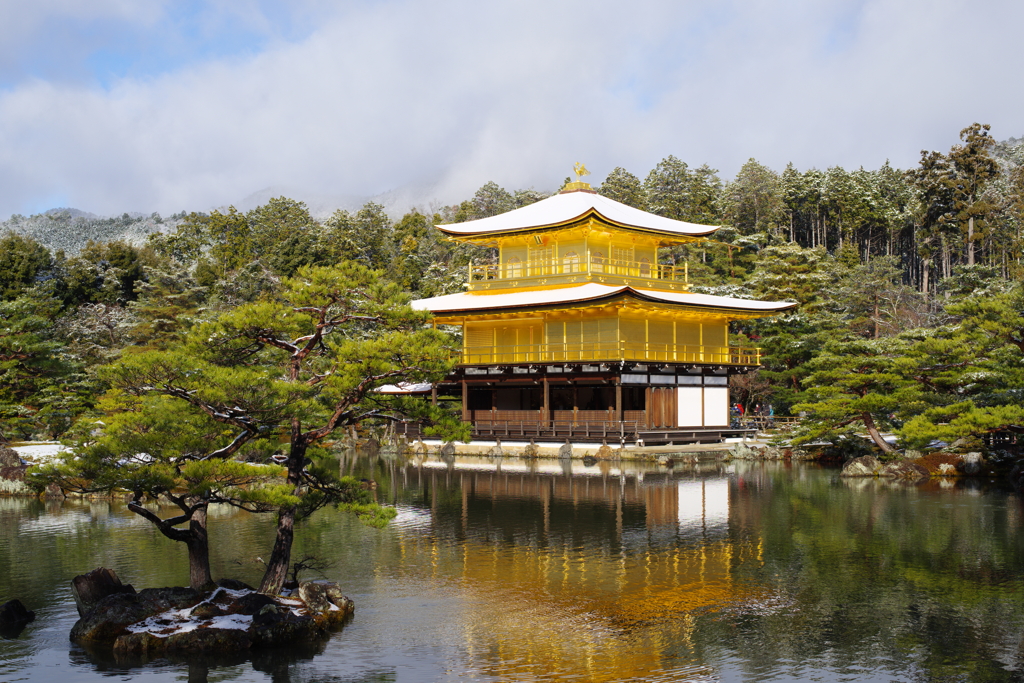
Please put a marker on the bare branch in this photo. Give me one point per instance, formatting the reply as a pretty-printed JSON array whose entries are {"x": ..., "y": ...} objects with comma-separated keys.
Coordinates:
[{"x": 166, "y": 526}]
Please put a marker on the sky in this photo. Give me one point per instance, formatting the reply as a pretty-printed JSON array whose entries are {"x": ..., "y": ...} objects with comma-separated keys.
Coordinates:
[{"x": 115, "y": 106}]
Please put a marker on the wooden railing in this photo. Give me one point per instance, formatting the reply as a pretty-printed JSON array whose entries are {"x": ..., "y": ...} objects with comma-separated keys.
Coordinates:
[
  {"x": 557, "y": 429},
  {"x": 588, "y": 352},
  {"x": 526, "y": 273},
  {"x": 610, "y": 431}
]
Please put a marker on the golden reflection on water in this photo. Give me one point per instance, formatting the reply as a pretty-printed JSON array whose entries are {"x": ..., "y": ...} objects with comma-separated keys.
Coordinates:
[{"x": 545, "y": 606}]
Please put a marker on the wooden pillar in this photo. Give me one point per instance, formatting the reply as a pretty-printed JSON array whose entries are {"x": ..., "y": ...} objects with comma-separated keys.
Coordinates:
[
  {"x": 465, "y": 401},
  {"x": 546, "y": 407},
  {"x": 618, "y": 401},
  {"x": 433, "y": 394},
  {"x": 648, "y": 406},
  {"x": 673, "y": 416}
]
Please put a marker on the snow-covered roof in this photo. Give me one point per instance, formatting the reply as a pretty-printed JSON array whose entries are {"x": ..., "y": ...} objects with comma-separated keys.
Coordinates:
[
  {"x": 590, "y": 292},
  {"x": 568, "y": 207}
]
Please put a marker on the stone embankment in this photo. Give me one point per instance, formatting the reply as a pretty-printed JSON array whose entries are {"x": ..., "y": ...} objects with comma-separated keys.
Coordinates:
[
  {"x": 755, "y": 450},
  {"x": 15, "y": 464},
  {"x": 939, "y": 464},
  {"x": 12, "y": 473},
  {"x": 179, "y": 622}
]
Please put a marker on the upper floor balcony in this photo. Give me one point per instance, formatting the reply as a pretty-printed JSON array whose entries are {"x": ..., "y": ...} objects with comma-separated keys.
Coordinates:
[
  {"x": 602, "y": 352},
  {"x": 574, "y": 268}
]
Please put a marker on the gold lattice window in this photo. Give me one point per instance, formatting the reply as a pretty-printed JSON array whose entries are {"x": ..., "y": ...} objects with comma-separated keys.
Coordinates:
[
  {"x": 513, "y": 267},
  {"x": 645, "y": 267},
  {"x": 540, "y": 261},
  {"x": 622, "y": 260},
  {"x": 571, "y": 262}
]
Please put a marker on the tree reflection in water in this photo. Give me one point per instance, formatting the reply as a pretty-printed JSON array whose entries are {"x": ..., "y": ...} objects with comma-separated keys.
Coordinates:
[{"x": 509, "y": 569}]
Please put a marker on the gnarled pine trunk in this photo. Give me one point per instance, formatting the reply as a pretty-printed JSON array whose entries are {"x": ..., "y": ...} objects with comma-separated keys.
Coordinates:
[
  {"x": 281, "y": 556},
  {"x": 198, "y": 544},
  {"x": 194, "y": 537},
  {"x": 869, "y": 422}
]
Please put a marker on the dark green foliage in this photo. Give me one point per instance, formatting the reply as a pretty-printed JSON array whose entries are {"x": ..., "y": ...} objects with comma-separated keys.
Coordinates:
[
  {"x": 623, "y": 186},
  {"x": 366, "y": 238},
  {"x": 674, "y": 191},
  {"x": 922, "y": 261},
  {"x": 167, "y": 306},
  {"x": 754, "y": 200},
  {"x": 23, "y": 260},
  {"x": 854, "y": 380},
  {"x": 33, "y": 374}
]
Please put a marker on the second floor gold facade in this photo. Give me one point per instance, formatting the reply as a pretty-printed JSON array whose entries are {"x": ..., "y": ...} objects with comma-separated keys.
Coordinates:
[
  {"x": 591, "y": 252},
  {"x": 601, "y": 335}
]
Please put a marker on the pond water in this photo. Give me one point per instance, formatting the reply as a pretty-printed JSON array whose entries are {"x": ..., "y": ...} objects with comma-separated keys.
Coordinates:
[{"x": 550, "y": 571}]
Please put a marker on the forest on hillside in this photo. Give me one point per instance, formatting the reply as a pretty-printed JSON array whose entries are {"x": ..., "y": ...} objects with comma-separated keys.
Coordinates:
[{"x": 911, "y": 316}]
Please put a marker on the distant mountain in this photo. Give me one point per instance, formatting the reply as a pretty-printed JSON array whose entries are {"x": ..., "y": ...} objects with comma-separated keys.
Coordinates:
[
  {"x": 396, "y": 202},
  {"x": 1009, "y": 152},
  {"x": 74, "y": 213},
  {"x": 69, "y": 230}
]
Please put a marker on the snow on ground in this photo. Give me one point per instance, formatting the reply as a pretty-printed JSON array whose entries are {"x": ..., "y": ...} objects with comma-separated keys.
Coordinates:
[
  {"x": 40, "y": 451},
  {"x": 181, "y": 620}
]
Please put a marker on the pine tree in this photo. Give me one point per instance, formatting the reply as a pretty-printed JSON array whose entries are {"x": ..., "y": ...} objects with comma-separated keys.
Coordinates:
[
  {"x": 624, "y": 187},
  {"x": 854, "y": 380},
  {"x": 290, "y": 369},
  {"x": 974, "y": 168},
  {"x": 668, "y": 187}
]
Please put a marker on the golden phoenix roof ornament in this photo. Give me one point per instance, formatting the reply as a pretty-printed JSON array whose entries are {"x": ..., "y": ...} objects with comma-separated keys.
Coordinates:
[{"x": 581, "y": 171}]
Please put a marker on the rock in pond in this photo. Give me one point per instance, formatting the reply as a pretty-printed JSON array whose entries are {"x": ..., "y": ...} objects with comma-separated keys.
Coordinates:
[
  {"x": 112, "y": 616},
  {"x": 565, "y": 450},
  {"x": 179, "y": 622},
  {"x": 13, "y": 618},
  {"x": 9, "y": 457},
  {"x": 88, "y": 589},
  {"x": 864, "y": 466},
  {"x": 971, "y": 463},
  {"x": 325, "y": 602}
]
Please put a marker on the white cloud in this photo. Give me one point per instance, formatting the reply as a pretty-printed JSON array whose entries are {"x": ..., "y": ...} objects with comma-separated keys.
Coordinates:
[{"x": 451, "y": 94}]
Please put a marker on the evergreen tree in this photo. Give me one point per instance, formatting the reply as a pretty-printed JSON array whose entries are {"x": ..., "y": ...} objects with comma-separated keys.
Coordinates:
[
  {"x": 490, "y": 200},
  {"x": 289, "y": 369},
  {"x": 753, "y": 202},
  {"x": 624, "y": 187},
  {"x": 29, "y": 360},
  {"x": 870, "y": 296},
  {"x": 854, "y": 381},
  {"x": 22, "y": 261},
  {"x": 366, "y": 237},
  {"x": 974, "y": 168},
  {"x": 668, "y": 186}
]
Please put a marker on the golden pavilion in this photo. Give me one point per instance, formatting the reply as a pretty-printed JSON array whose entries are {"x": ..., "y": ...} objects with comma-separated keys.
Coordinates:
[{"x": 579, "y": 332}]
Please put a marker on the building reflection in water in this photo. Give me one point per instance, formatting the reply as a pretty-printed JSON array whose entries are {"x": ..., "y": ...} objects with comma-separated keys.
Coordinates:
[{"x": 602, "y": 569}]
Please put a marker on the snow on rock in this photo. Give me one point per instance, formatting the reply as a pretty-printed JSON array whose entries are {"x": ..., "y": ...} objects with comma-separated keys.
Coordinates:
[{"x": 179, "y": 621}]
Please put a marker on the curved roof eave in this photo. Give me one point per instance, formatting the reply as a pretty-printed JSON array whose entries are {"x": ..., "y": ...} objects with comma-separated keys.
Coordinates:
[
  {"x": 571, "y": 207},
  {"x": 591, "y": 293}
]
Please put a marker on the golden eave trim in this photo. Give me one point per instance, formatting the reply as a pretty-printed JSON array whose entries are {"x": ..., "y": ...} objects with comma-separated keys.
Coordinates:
[
  {"x": 569, "y": 223},
  {"x": 614, "y": 299}
]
